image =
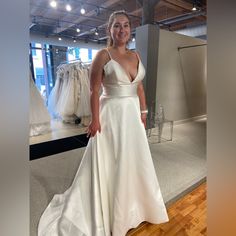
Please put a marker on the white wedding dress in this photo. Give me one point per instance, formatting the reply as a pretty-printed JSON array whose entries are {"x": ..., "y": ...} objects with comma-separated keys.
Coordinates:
[
  {"x": 115, "y": 188},
  {"x": 39, "y": 118}
]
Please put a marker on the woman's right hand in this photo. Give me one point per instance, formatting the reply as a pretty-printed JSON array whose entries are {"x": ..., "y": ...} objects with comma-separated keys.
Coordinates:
[{"x": 93, "y": 128}]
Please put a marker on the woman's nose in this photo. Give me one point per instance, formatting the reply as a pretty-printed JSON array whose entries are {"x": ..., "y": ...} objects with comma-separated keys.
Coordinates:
[{"x": 121, "y": 28}]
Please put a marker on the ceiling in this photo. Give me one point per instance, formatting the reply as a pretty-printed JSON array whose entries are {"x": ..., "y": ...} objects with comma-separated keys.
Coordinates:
[{"x": 169, "y": 14}]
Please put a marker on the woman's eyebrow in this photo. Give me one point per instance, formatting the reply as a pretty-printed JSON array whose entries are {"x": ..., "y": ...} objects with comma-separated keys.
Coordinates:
[{"x": 118, "y": 23}]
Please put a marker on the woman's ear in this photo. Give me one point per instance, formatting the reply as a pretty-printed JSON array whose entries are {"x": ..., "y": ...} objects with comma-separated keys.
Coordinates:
[{"x": 108, "y": 31}]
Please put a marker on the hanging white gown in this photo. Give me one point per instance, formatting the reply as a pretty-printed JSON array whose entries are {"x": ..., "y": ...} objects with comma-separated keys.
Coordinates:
[
  {"x": 39, "y": 118},
  {"x": 115, "y": 188}
]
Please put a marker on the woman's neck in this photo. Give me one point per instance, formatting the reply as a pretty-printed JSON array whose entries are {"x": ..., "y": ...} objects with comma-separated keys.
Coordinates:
[{"x": 120, "y": 49}]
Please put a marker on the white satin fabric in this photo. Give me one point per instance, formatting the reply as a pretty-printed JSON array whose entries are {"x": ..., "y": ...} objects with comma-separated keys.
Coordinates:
[{"x": 115, "y": 188}]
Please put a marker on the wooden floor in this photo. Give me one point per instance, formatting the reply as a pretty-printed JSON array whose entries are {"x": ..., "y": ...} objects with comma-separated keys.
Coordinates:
[{"x": 187, "y": 218}]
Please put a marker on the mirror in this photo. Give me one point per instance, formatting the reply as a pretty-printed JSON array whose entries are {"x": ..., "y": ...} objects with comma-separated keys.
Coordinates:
[{"x": 59, "y": 91}]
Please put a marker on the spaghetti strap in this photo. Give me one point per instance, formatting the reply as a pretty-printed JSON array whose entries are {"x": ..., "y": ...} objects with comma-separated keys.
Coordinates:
[
  {"x": 137, "y": 55},
  {"x": 109, "y": 53}
]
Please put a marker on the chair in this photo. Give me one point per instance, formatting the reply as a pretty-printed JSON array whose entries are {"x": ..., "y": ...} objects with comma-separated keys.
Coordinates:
[{"x": 156, "y": 121}]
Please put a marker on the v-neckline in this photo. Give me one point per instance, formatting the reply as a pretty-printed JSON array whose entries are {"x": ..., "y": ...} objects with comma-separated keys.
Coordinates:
[{"x": 126, "y": 72}]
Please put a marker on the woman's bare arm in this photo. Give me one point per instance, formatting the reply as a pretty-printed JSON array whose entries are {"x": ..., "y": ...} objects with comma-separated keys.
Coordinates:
[
  {"x": 96, "y": 75},
  {"x": 142, "y": 101}
]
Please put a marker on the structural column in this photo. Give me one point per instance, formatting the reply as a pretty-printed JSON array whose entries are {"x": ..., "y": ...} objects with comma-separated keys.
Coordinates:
[
  {"x": 147, "y": 43},
  {"x": 148, "y": 6}
]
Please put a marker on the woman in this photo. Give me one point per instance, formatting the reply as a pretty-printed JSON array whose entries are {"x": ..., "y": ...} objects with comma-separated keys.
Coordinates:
[{"x": 115, "y": 188}]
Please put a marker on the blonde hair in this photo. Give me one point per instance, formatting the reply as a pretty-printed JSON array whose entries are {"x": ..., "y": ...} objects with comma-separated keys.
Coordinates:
[{"x": 110, "y": 22}]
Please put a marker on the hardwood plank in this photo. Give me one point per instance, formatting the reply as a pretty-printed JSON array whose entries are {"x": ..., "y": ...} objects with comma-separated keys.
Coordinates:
[{"x": 187, "y": 217}]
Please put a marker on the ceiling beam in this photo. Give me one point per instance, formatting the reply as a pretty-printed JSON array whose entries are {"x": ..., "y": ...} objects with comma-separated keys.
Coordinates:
[
  {"x": 171, "y": 6},
  {"x": 180, "y": 3}
]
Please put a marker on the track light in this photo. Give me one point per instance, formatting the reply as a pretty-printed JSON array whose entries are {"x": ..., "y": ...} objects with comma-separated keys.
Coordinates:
[
  {"x": 53, "y": 4},
  {"x": 96, "y": 32},
  {"x": 194, "y": 6},
  {"x": 82, "y": 10},
  {"x": 68, "y": 7}
]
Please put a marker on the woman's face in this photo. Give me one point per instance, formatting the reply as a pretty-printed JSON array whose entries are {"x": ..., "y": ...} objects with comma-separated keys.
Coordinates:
[{"x": 120, "y": 30}]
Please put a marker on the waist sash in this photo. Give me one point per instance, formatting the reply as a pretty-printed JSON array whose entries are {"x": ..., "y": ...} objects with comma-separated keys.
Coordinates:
[{"x": 120, "y": 91}]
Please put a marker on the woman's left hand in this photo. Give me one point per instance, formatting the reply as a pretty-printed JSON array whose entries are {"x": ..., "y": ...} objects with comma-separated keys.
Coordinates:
[{"x": 144, "y": 119}]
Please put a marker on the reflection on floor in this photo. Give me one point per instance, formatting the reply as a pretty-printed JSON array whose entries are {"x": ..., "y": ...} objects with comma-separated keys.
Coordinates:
[
  {"x": 180, "y": 166},
  {"x": 59, "y": 130}
]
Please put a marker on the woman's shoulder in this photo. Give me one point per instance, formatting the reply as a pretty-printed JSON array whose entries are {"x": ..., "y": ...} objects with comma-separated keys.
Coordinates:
[
  {"x": 103, "y": 53},
  {"x": 102, "y": 57},
  {"x": 134, "y": 54}
]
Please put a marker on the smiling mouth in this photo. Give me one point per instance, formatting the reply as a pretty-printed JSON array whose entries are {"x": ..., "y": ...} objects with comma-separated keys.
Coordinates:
[{"x": 122, "y": 35}]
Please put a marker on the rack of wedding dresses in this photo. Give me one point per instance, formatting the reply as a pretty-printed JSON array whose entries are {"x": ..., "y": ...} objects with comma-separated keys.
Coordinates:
[
  {"x": 39, "y": 116},
  {"x": 70, "y": 97}
]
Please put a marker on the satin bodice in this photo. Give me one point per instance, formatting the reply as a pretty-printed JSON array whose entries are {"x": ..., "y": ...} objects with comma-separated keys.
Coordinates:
[{"x": 116, "y": 81}]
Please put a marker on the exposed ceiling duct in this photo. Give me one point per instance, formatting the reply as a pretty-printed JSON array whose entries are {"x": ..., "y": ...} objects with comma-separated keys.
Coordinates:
[
  {"x": 183, "y": 17},
  {"x": 196, "y": 31}
]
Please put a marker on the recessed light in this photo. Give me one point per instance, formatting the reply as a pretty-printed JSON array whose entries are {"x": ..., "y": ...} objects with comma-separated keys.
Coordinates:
[
  {"x": 68, "y": 7},
  {"x": 82, "y": 10},
  {"x": 53, "y": 4}
]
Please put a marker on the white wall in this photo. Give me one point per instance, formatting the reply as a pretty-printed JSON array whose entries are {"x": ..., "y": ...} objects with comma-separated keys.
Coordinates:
[{"x": 181, "y": 76}]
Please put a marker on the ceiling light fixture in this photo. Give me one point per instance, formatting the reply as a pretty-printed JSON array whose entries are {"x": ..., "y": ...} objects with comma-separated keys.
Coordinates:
[
  {"x": 59, "y": 38},
  {"x": 194, "y": 6},
  {"x": 82, "y": 10},
  {"x": 78, "y": 30},
  {"x": 96, "y": 31},
  {"x": 74, "y": 40},
  {"x": 68, "y": 7},
  {"x": 133, "y": 39},
  {"x": 53, "y": 4}
]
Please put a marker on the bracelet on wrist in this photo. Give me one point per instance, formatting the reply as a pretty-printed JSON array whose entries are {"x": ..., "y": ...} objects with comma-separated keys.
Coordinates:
[{"x": 144, "y": 111}]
